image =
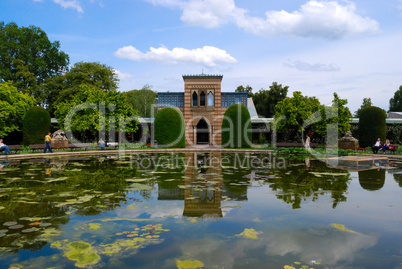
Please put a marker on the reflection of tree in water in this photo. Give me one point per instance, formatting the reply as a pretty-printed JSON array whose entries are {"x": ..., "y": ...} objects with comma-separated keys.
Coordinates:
[
  {"x": 398, "y": 179},
  {"x": 372, "y": 180},
  {"x": 28, "y": 196},
  {"x": 297, "y": 184}
]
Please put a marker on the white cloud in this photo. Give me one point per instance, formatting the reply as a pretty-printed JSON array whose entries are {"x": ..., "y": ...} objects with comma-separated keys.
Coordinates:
[
  {"x": 317, "y": 67},
  {"x": 70, "y": 4},
  {"x": 207, "y": 13},
  {"x": 314, "y": 19},
  {"x": 122, "y": 75},
  {"x": 322, "y": 19},
  {"x": 207, "y": 55}
]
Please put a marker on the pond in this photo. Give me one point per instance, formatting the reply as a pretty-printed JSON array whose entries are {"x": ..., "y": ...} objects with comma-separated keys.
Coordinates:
[{"x": 198, "y": 210}]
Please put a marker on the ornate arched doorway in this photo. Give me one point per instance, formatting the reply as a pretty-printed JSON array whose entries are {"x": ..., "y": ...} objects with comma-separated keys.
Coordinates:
[{"x": 202, "y": 132}]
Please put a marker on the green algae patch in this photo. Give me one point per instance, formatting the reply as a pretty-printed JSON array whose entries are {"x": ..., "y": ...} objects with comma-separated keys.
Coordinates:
[
  {"x": 82, "y": 253},
  {"x": 94, "y": 226},
  {"x": 189, "y": 264},
  {"x": 249, "y": 233},
  {"x": 342, "y": 228},
  {"x": 110, "y": 249}
]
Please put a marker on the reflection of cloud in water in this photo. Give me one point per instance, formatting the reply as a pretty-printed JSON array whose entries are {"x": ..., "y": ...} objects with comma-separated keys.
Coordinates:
[
  {"x": 163, "y": 210},
  {"x": 326, "y": 245},
  {"x": 211, "y": 252}
]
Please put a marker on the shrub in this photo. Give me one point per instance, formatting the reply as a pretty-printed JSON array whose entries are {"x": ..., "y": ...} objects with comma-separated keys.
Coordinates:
[
  {"x": 169, "y": 128},
  {"x": 262, "y": 139},
  {"x": 394, "y": 134},
  {"x": 372, "y": 125},
  {"x": 236, "y": 127},
  {"x": 35, "y": 126}
]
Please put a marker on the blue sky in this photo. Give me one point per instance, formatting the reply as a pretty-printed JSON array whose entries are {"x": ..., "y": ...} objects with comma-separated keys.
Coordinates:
[{"x": 316, "y": 47}]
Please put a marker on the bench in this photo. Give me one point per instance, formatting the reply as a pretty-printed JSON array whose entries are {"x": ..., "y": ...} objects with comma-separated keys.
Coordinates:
[
  {"x": 393, "y": 148},
  {"x": 289, "y": 144},
  {"x": 14, "y": 148},
  {"x": 78, "y": 146},
  {"x": 35, "y": 147}
]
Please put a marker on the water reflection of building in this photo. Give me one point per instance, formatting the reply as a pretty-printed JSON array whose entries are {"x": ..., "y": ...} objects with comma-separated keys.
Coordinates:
[
  {"x": 204, "y": 197},
  {"x": 203, "y": 185}
]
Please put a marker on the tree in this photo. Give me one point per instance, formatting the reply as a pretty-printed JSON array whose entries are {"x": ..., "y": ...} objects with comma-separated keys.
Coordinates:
[
  {"x": 27, "y": 55},
  {"x": 292, "y": 113},
  {"x": 372, "y": 125},
  {"x": 335, "y": 116},
  {"x": 142, "y": 100},
  {"x": 95, "y": 110},
  {"x": 366, "y": 103},
  {"x": 94, "y": 74},
  {"x": 36, "y": 125},
  {"x": 246, "y": 89},
  {"x": 236, "y": 127},
  {"x": 169, "y": 128},
  {"x": 395, "y": 103},
  {"x": 13, "y": 106},
  {"x": 266, "y": 100}
]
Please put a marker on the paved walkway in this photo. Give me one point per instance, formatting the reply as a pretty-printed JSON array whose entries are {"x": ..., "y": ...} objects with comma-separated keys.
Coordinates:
[
  {"x": 127, "y": 151},
  {"x": 392, "y": 157}
]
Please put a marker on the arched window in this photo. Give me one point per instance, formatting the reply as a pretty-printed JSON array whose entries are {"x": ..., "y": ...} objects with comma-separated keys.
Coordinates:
[
  {"x": 210, "y": 99},
  {"x": 202, "y": 99},
  {"x": 195, "y": 99}
]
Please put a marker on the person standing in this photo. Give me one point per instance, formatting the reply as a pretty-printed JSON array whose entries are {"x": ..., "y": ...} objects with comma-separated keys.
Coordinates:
[
  {"x": 307, "y": 144},
  {"x": 48, "y": 139},
  {"x": 4, "y": 147}
]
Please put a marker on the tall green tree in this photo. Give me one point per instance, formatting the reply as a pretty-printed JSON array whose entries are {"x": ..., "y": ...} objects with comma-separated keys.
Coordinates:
[
  {"x": 248, "y": 89},
  {"x": 13, "y": 106},
  {"x": 95, "y": 110},
  {"x": 366, "y": 103},
  {"x": 94, "y": 74},
  {"x": 36, "y": 125},
  {"x": 142, "y": 100},
  {"x": 292, "y": 113},
  {"x": 372, "y": 125},
  {"x": 28, "y": 57},
  {"x": 395, "y": 103},
  {"x": 334, "y": 119},
  {"x": 266, "y": 100}
]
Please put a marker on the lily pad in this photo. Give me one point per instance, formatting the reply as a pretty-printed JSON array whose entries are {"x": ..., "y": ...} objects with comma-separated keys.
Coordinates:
[
  {"x": 30, "y": 230},
  {"x": 45, "y": 224},
  {"x": 10, "y": 223},
  {"x": 15, "y": 227}
]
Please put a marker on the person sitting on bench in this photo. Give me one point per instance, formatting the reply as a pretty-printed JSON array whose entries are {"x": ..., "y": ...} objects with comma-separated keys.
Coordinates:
[
  {"x": 4, "y": 147},
  {"x": 386, "y": 146},
  {"x": 377, "y": 146}
]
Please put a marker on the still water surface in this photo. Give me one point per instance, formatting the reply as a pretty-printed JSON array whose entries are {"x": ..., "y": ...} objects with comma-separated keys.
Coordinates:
[{"x": 197, "y": 210}]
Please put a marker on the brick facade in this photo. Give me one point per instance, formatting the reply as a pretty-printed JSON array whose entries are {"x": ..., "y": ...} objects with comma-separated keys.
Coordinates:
[{"x": 202, "y": 117}]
